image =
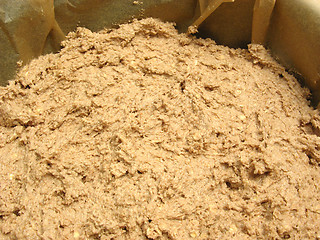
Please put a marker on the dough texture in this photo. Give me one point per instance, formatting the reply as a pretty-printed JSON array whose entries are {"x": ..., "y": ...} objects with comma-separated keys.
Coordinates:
[{"x": 143, "y": 133}]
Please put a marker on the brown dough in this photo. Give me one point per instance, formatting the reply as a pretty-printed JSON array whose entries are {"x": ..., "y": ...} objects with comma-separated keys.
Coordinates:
[{"x": 142, "y": 133}]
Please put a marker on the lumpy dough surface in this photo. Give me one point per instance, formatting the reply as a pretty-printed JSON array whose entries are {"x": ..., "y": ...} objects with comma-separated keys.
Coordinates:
[{"x": 143, "y": 133}]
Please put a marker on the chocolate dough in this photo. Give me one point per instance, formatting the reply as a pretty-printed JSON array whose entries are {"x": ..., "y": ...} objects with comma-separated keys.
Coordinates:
[{"x": 142, "y": 133}]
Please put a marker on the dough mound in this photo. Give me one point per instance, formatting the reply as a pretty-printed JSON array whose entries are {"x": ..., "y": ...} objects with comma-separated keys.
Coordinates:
[{"x": 143, "y": 133}]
